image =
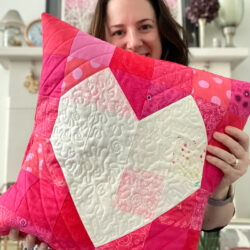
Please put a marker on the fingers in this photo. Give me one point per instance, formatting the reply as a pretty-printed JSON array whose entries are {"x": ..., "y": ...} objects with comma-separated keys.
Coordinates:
[
  {"x": 236, "y": 149},
  {"x": 233, "y": 164},
  {"x": 43, "y": 246},
  {"x": 239, "y": 135},
  {"x": 30, "y": 242},
  {"x": 230, "y": 174},
  {"x": 222, "y": 154},
  {"x": 14, "y": 234},
  {"x": 222, "y": 165}
]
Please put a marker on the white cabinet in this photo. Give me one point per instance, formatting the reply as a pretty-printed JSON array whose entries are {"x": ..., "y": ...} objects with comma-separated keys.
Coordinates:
[
  {"x": 17, "y": 105},
  {"x": 218, "y": 61}
]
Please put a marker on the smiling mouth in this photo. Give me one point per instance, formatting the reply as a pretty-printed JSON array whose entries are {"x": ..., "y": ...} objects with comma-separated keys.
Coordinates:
[{"x": 144, "y": 54}]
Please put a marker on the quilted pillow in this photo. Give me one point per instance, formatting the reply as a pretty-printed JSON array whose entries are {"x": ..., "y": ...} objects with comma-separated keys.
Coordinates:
[{"x": 116, "y": 159}]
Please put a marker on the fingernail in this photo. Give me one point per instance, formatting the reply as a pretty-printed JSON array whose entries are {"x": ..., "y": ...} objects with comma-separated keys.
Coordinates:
[
  {"x": 216, "y": 134},
  {"x": 208, "y": 157}
]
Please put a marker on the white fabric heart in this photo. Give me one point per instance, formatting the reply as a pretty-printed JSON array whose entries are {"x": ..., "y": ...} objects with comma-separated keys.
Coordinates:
[{"x": 123, "y": 173}]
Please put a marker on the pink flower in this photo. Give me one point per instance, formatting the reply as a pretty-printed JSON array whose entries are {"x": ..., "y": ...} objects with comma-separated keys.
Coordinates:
[{"x": 202, "y": 9}]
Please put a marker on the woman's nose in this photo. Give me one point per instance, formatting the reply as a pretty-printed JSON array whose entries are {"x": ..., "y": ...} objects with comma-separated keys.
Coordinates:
[{"x": 134, "y": 41}]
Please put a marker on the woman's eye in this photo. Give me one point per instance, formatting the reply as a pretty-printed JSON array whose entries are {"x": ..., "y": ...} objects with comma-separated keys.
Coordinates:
[
  {"x": 146, "y": 26},
  {"x": 117, "y": 33}
]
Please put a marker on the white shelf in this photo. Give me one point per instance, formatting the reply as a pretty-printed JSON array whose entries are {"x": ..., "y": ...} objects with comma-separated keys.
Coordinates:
[
  {"x": 8, "y": 54},
  {"x": 21, "y": 52},
  {"x": 234, "y": 56}
]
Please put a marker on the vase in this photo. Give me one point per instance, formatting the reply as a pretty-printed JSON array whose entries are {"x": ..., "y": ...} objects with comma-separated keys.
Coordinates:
[
  {"x": 202, "y": 26},
  {"x": 209, "y": 240},
  {"x": 229, "y": 17}
]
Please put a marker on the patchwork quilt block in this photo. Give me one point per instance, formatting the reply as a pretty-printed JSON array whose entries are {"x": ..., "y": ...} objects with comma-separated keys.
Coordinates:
[{"x": 116, "y": 159}]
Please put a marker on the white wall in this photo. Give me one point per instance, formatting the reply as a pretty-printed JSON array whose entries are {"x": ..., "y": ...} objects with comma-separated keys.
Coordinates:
[
  {"x": 4, "y": 78},
  {"x": 29, "y": 9}
]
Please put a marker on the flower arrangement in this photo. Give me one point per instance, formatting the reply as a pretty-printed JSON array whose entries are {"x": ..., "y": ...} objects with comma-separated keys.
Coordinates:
[{"x": 206, "y": 9}]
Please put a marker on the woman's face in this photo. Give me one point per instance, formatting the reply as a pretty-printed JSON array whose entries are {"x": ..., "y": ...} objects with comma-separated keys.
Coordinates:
[{"x": 132, "y": 25}]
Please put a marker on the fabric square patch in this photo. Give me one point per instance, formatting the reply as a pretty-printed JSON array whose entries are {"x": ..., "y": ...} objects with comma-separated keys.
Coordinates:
[{"x": 139, "y": 192}]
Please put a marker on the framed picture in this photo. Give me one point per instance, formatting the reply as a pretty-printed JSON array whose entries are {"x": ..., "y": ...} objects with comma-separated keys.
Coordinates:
[
  {"x": 78, "y": 12},
  {"x": 54, "y": 7},
  {"x": 175, "y": 7}
]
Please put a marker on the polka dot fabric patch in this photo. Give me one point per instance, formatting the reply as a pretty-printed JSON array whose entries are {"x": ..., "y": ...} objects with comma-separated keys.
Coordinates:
[
  {"x": 76, "y": 71},
  {"x": 214, "y": 89},
  {"x": 240, "y": 96},
  {"x": 116, "y": 159}
]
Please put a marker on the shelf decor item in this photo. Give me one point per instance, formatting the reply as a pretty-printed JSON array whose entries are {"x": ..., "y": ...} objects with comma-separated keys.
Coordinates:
[
  {"x": 230, "y": 16},
  {"x": 13, "y": 29},
  {"x": 209, "y": 240},
  {"x": 201, "y": 12},
  {"x": 31, "y": 82},
  {"x": 33, "y": 33}
]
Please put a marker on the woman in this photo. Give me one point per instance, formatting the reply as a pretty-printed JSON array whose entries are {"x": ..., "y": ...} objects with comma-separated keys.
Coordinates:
[{"x": 146, "y": 27}]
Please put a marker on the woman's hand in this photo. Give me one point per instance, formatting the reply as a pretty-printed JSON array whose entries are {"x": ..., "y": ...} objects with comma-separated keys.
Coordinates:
[
  {"x": 29, "y": 240},
  {"x": 233, "y": 164}
]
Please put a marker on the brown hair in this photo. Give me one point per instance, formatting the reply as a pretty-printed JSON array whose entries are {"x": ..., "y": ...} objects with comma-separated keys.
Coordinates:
[{"x": 174, "y": 47}]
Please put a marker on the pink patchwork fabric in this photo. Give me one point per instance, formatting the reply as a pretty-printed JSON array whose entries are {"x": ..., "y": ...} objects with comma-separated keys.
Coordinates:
[
  {"x": 116, "y": 159},
  {"x": 139, "y": 192}
]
